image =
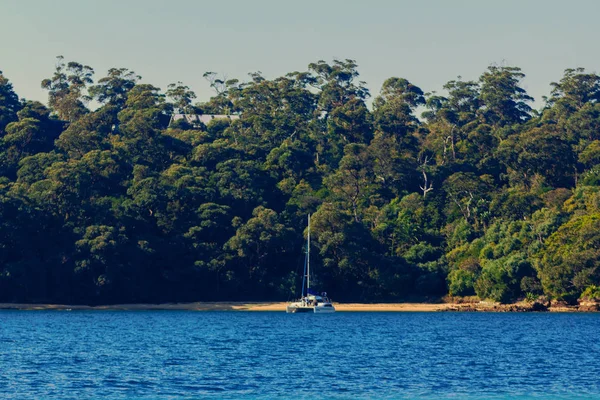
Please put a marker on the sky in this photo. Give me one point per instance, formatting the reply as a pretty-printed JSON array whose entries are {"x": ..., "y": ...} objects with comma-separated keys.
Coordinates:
[{"x": 428, "y": 42}]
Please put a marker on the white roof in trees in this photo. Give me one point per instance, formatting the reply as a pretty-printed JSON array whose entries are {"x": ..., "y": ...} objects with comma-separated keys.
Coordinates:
[{"x": 204, "y": 118}]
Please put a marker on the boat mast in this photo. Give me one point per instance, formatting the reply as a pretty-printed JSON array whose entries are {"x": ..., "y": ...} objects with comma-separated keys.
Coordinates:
[{"x": 308, "y": 257}]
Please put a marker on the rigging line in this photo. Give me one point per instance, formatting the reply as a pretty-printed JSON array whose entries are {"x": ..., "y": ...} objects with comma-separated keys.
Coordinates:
[
  {"x": 299, "y": 264},
  {"x": 304, "y": 274}
]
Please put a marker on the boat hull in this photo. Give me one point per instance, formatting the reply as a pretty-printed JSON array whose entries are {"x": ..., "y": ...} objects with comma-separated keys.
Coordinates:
[
  {"x": 292, "y": 309},
  {"x": 295, "y": 309},
  {"x": 324, "y": 310}
]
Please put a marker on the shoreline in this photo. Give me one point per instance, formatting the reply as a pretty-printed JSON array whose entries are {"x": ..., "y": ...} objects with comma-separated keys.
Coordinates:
[{"x": 340, "y": 307}]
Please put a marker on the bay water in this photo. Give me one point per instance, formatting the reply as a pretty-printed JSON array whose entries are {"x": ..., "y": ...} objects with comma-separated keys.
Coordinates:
[{"x": 187, "y": 354}]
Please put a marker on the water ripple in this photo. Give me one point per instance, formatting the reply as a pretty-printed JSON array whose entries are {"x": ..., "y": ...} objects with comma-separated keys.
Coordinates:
[{"x": 164, "y": 355}]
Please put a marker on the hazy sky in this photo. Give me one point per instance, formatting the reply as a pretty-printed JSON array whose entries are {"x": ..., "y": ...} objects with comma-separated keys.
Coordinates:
[{"x": 427, "y": 42}]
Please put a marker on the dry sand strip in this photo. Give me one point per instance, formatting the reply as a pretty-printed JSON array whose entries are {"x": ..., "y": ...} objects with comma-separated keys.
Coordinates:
[
  {"x": 264, "y": 306},
  {"x": 232, "y": 306},
  {"x": 356, "y": 307}
]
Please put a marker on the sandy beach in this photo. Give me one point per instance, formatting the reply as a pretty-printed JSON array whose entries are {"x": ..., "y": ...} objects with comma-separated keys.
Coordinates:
[
  {"x": 269, "y": 306},
  {"x": 359, "y": 307}
]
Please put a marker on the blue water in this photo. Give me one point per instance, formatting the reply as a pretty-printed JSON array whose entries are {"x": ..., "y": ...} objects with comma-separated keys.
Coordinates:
[{"x": 180, "y": 354}]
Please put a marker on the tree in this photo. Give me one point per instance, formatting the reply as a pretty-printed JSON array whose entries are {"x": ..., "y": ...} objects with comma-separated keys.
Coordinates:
[
  {"x": 9, "y": 103},
  {"x": 400, "y": 89},
  {"x": 569, "y": 262},
  {"x": 182, "y": 97},
  {"x": 243, "y": 185},
  {"x": 273, "y": 112},
  {"x": 574, "y": 90},
  {"x": 466, "y": 193},
  {"x": 33, "y": 133},
  {"x": 225, "y": 91},
  {"x": 337, "y": 83},
  {"x": 538, "y": 152},
  {"x": 114, "y": 87},
  {"x": 257, "y": 250},
  {"x": 453, "y": 122},
  {"x": 480, "y": 196},
  {"x": 394, "y": 109},
  {"x": 461, "y": 282},
  {"x": 351, "y": 261},
  {"x": 504, "y": 101},
  {"x": 395, "y": 145},
  {"x": 140, "y": 125},
  {"x": 349, "y": 123},
  {"x": 352, "y": 182},
  {"x": 90, "y": 132},
  {"x": 66, "y": 89},
  {"x": 99, "y": 261}
]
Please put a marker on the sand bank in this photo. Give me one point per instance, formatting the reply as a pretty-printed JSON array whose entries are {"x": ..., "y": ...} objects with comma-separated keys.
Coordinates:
[{"x": 265, "y": 306}]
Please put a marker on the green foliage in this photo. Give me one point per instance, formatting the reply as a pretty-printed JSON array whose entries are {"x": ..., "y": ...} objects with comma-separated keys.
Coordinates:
[
  {"x": 112, "y": 89},
  {"x": 591, "y": 292},
  {"x": 570, "y": 260},
  {"x": 480, "y": 196},
  {"x": 67, "y": 89},
  {"x": 504, "y": 101},
  {"x": 538, "y": 153},
  {"x": 461, "y": 282},
  {"x": 530, "y": 297},
  {"x": 182, "y": 98},
  {"x": 9, "y": 103},
  {"x": 500, "y": 279}
]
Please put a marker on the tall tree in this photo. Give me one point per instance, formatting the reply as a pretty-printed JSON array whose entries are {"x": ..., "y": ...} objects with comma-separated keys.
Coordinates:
[
  {"x": 574, "y": 90},
  {"x": 67, "y": 95},
  {"x": 9, "y": 103},
  {"x": 182, "y": 98},
  {"x": 504, "y": 101},
  {"x": 113, "y": 88}
]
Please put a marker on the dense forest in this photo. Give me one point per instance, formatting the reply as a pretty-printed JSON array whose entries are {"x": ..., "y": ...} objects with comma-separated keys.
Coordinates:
[{"x": 105, "y": 197}]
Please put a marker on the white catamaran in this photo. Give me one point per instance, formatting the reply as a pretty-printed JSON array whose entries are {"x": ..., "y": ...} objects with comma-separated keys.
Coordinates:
[{"x": 310, "y": 301}]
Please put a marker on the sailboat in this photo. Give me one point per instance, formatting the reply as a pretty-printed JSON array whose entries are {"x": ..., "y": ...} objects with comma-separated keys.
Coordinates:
[{"x": 310, "y": 300}]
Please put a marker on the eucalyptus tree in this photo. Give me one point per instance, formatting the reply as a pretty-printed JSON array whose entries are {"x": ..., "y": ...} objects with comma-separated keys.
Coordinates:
[
  {"x": 140, "y": 127},
  {"x": 91, "y": 132},
  {"x": 539, "y": 156},
  {"x": 343, "y": 116},
  {"x": 353, "y": 183},
  {"x": 569, "y": 262},
  {"x": 480, "y": 193},
  {"x": 449, "y": 120},
  {"x": 274, "y": 111},
  {"x": 467, "y": 198},
  {"x": 256, "y": 252},
  {"x": 67, "y": 95},
  {"x": 181, "y": 96},
  {"x": 34, "y": 132},
  {"x": 226, "y": 91},
  {"x": 395, "y": 146},
  {"x": 9, "y": 103},
  {"x": 503, "y": 100},
  {"x": 576, "y": 89},
  {"x": 337, "y": 83},
  {"x": 112, "y": 89}
]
